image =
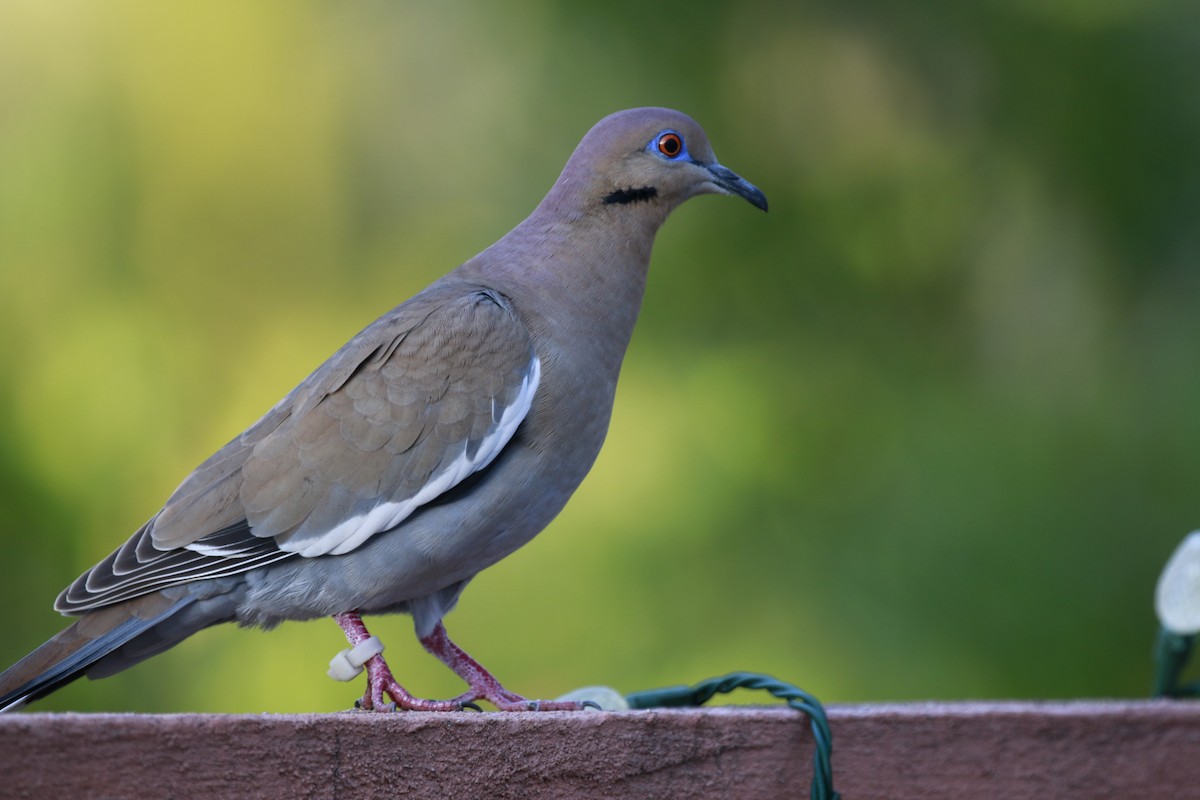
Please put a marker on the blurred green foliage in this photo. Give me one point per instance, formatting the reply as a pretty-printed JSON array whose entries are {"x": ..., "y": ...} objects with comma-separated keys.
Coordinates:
[{"x": 929, "y": 429}]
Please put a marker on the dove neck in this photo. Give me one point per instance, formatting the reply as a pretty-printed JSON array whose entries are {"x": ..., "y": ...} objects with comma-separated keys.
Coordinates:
[{"x": 576, "y": 277}]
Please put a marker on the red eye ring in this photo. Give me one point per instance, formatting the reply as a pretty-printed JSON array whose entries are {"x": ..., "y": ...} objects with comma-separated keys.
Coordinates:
[{"x": 670, "y": 145}]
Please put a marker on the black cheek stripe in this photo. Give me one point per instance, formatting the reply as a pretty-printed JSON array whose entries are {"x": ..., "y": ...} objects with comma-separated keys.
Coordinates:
[{"x": 625, "y": 196}]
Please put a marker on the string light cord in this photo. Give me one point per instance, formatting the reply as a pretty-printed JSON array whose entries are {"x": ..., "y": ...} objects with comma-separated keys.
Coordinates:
[
  {"x": 701, "y": 693},
  {"x": 1171, "y": 657}
]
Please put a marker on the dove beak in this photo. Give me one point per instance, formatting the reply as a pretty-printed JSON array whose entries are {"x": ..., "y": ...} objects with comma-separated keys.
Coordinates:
[{"x": 729, "y": 182}]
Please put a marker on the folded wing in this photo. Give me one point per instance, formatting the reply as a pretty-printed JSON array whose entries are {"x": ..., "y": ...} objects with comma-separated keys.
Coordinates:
[{"x": 426, "y": 396}]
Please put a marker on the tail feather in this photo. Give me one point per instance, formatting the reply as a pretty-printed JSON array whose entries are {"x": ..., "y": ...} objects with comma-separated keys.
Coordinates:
[{"x": 70, "y": 652}]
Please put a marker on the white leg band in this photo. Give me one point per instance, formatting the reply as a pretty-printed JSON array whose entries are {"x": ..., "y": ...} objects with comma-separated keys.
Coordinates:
[{"x": 348, "y": 664}]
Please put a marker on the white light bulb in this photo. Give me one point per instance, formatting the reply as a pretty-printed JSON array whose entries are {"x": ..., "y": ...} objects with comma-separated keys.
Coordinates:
[{"x": 1177, "y": 598}]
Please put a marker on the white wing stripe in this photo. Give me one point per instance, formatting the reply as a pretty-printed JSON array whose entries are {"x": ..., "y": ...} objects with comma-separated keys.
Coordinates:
[{"x": 350, "y": 533}]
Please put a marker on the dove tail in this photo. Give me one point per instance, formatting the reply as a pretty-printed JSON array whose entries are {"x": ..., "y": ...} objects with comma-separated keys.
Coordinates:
[{"x": 74, "y": 650}]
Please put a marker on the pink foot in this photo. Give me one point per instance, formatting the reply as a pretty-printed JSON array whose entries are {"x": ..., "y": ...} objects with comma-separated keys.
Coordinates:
[
  {"x": 380, "y": 681},
  {"x": 482, "y": 685}
]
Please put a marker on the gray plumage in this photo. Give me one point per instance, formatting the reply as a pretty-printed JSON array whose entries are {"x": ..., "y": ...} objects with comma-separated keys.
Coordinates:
[{"x": 437, "y": 441}]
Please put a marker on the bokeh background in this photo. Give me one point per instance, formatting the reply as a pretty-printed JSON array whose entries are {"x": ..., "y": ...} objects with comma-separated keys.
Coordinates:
[{"x": 928, "y": 429}]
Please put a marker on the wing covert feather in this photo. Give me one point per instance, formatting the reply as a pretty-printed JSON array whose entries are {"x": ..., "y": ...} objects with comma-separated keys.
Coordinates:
[{"x": 419, "y": 400}]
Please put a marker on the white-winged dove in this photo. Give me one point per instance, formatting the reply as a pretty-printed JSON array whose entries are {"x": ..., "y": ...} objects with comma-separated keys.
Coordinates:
[{"x": 437, "y": 441}]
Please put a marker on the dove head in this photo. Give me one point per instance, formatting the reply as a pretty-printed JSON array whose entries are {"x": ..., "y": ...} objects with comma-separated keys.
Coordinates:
[{"x": 646, "y": 161}]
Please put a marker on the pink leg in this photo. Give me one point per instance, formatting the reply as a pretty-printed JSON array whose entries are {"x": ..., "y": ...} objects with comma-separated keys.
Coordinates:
[
  {"x": 379, "y": 676},
  {"x": 483, "y": 685}
]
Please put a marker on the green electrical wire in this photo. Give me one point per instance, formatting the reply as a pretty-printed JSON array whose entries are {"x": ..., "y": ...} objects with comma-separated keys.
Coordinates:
[
  {"x": 1172, "y": 652},
  {"x": 701, "y": 693}
]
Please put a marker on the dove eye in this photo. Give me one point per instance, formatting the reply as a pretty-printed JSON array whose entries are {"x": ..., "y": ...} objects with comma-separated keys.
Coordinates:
[{"x": 669, "y": 144}]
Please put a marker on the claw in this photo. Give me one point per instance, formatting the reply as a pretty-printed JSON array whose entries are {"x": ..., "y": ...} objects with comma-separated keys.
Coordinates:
[
  {"x": 481, "y": 684},
  {"x": 586, "y": 704}
]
